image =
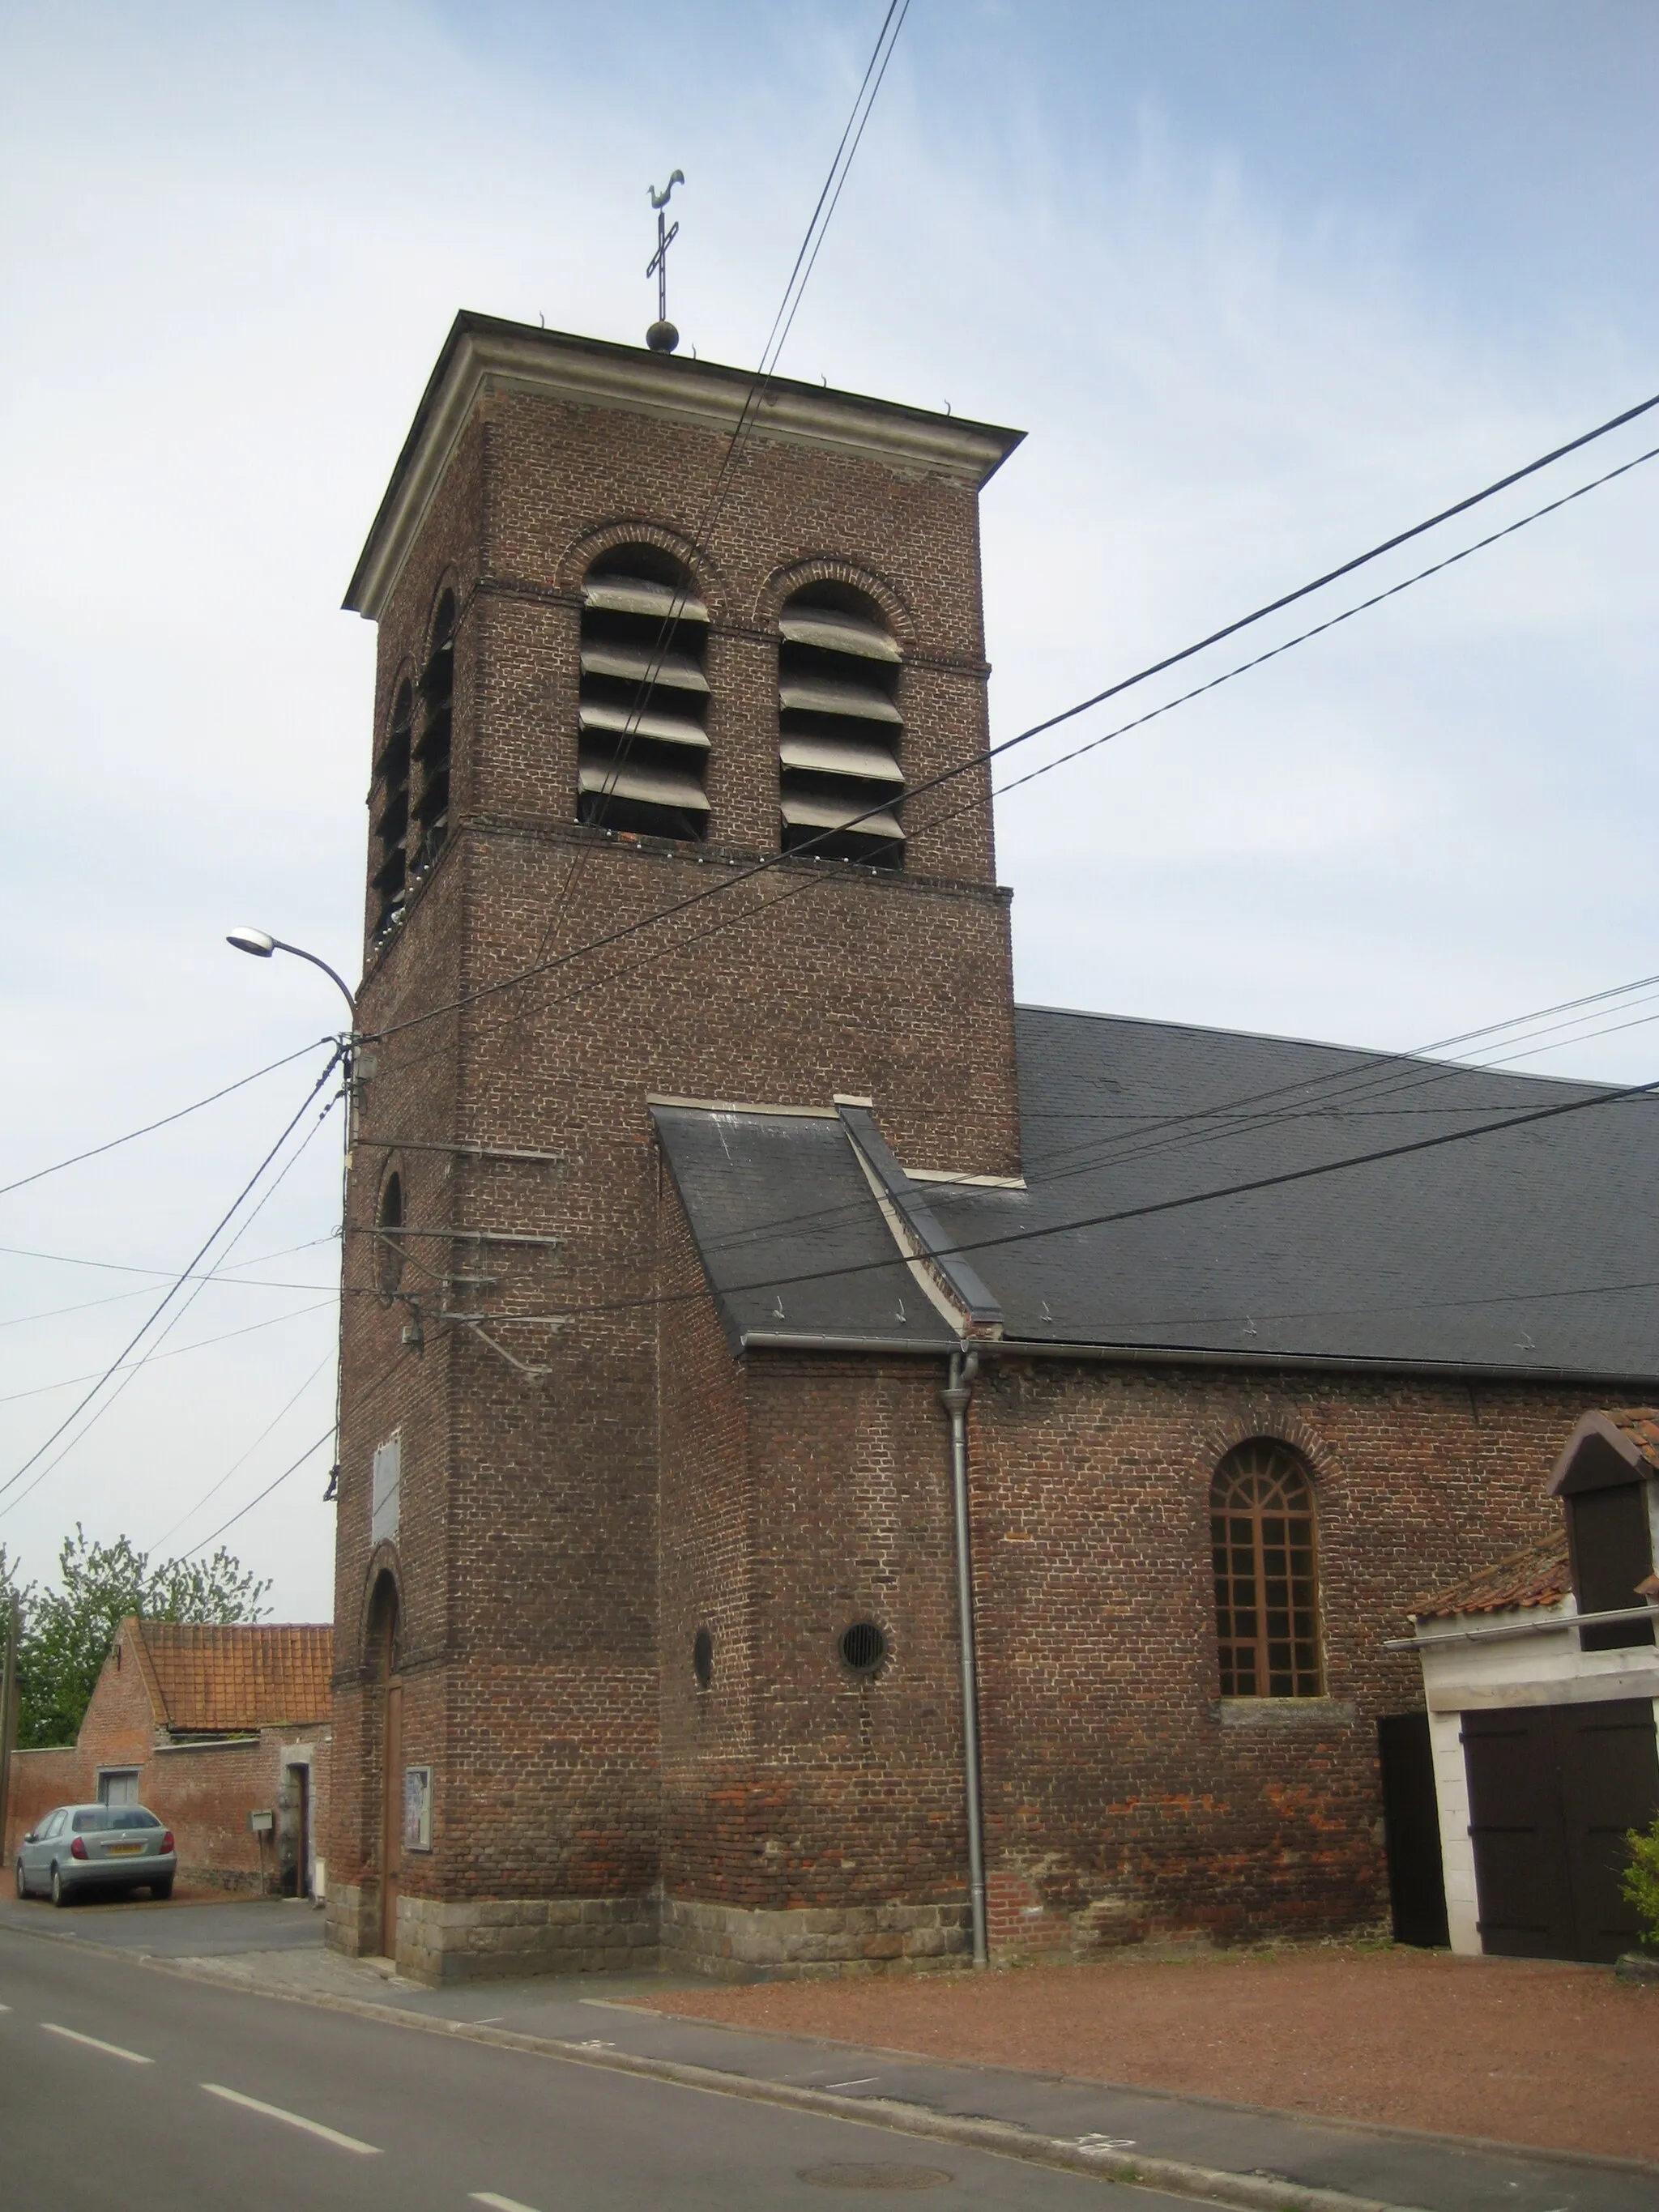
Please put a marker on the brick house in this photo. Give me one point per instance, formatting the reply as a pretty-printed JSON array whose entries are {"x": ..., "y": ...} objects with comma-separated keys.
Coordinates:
[
  {"x": 753, "y": 1301},
  {"x": 207, "y": 1726}
]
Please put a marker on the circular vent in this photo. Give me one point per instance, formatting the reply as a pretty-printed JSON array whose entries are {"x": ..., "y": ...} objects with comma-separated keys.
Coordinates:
[
  {"x": 702, "y": 1658},
  {"x": 864, "y": 1647}
]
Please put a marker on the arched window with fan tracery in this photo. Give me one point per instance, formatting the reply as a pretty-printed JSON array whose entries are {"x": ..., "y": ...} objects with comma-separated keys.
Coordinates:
[{"x": 1263, "y": 1536}]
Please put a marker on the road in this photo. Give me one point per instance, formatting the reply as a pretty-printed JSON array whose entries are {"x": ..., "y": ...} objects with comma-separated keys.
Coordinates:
[{"x": 123, "y": 2085}]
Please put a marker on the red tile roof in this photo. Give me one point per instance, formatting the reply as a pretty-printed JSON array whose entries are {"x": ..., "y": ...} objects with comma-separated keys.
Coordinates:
[
  {"x": 1640, "y": 1424},
  {"x": 226, "y": 1680},
  {"x": 1538, "y": 1576}
]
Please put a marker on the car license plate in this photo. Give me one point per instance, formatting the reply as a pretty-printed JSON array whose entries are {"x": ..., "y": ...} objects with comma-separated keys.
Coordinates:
[{"x": 123, "y": 1850}]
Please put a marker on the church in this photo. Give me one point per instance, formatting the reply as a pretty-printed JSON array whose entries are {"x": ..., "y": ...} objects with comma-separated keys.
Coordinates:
[{"x": 840, "y": 1471}]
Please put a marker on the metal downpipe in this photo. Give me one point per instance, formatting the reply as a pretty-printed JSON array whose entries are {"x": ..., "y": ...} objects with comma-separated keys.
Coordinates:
[{"x": 956, "y": 1396}]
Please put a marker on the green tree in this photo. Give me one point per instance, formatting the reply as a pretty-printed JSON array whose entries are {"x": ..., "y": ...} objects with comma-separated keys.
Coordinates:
[
  {"x": 1641, "y": 1883},
  {"x": 67, "y": 1631}
]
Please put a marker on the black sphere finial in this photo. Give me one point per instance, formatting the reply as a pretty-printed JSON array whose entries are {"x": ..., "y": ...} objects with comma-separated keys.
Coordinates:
[{"x": 662, "y": 336}]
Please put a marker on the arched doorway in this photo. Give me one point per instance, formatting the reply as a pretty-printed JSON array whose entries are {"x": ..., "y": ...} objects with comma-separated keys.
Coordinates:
[{"x": 383, "y": 1650}]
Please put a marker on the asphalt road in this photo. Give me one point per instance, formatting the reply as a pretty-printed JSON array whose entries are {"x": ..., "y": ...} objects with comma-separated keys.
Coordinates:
[{"x": 121, "y": 2085}]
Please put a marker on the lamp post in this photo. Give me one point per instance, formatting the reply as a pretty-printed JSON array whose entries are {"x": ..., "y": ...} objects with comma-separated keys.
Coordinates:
[{"x": 260, "y": 945}]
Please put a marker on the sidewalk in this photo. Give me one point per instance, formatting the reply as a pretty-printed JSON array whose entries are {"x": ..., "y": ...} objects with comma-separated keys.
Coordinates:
[{"x": 1196, "y": 2147}]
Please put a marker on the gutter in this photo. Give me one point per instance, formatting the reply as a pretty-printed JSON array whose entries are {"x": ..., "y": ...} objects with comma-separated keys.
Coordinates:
[{"x": 956, "y": 1398}]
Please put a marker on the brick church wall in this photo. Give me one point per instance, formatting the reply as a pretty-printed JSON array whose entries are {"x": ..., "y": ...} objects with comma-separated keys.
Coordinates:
[{"x": 1124, "y": 1798}]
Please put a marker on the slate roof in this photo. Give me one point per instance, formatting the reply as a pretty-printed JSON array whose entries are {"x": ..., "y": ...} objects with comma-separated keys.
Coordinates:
[
  {"x": 1532, "y": 1250},
  {"x": 788, "y": 1230},
  {"x": 223, "y": 1680},
  {"x": 1538, "y": 1576}
]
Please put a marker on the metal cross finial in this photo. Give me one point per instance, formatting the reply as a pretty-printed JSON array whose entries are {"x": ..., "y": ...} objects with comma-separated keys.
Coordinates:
[{"x": 662, "y": 336}]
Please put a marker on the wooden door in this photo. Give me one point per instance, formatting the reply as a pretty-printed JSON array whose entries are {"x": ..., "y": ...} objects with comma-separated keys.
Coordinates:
[
  {"x": 301, "y": 1777},
  {"x": 1411, "y": 1830},
  {"x": 391, "y": 1815},
  {"x": 1552, "y": 1789}
]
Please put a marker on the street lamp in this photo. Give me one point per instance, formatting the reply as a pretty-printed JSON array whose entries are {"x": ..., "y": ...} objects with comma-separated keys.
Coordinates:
[{"x": 260, "y": 945}]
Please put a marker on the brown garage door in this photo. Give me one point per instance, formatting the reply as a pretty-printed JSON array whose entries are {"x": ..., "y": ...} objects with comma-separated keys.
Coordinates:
[{"x": 1552, "y": 1789}]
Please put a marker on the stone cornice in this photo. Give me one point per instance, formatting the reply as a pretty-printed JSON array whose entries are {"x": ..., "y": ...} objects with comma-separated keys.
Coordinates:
[{"x": 482, "y": 352}]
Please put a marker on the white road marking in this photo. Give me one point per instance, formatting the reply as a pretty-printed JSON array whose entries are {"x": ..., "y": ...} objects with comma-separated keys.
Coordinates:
[
  {"x": 499, "y": 2203},
  {"x": 863, "y": 2083},
  {"x": 5, "y": 2007},
  {"x": 92, "y": 2043},
  {"x": 293, "y": 2120}
]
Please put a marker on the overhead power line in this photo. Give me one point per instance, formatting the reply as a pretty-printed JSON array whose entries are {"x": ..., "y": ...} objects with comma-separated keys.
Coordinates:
[
  {"x": 173, "y": 1289},
  {"x": 113, "y": 1143},
  {"x": 760, "y": 385},
  {"x": 772, "y": 861},
  {"x": 1148, "y": 1207}
]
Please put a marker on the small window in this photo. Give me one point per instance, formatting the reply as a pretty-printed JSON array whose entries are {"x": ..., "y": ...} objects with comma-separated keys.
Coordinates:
[
  {"x": 390, "y": 815},
  {"x": 643, "y": 751},
  {"x": 1267, "y": 1601},
  {"x": 386, "y": 1491},
  {"x": 433, "y": 748},
  {"x": 839, "y": 729},
  {"x": 702, "y": 1658},
  {"x": 389, "y": 1251}
]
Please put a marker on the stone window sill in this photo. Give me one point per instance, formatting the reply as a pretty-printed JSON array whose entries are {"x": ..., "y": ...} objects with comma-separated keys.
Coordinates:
[{"x": 1284, "y": 1713}]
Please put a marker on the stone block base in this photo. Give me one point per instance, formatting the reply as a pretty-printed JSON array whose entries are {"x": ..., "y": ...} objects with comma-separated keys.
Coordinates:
[
  {"x": 352, "y": 1919},
  {"x": 732, "y": 1944},
  {"x": 486, "y": 1939}
]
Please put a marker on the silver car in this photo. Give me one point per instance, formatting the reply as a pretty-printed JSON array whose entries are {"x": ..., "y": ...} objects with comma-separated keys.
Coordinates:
[{"x": 82, "y": 1847}]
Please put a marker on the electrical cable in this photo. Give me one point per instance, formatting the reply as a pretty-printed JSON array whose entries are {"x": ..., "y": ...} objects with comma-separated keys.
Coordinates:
[
  {"x": 981, "y": 759},
  {"x": 173, "y": 1289},
  {"x": 95, "y": 1150},
  {"x": 771, "y": 353},
  {"x": 294, "y": 1466},
  {"x": 281, "y": 1414},
  {"x": 200, "y": 1344},
  {"x": 1147, "y": 1208}
]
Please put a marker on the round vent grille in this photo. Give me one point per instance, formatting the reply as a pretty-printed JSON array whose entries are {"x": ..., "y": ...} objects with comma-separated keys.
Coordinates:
[
  {"x": 702, "y": 1658},
  {"x": 864, "y": 1647}
]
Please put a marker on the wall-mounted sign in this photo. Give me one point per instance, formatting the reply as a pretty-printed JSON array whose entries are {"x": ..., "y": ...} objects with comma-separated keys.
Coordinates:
[
  {"x": 262, "y": 1823},
  {"x": 417, "y": 1808}
]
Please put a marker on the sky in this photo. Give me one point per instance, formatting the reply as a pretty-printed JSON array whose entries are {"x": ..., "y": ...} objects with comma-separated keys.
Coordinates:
[{"x": 1265, "y": 281}]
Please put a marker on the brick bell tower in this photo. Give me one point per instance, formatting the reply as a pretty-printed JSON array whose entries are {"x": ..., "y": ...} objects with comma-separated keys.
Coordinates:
[{"x": 624, "y": 657}]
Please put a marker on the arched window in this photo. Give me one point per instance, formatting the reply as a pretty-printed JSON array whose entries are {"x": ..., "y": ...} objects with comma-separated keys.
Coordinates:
[
  {"x": 391, "y": 821},
  {"x": 1266, "y": 1590},
  {"x": 839, "y": 728},
  {"x": 644, "y": 746},
  {"x": 389, "y": 1236},
  {"x": 432, "y": 752}
]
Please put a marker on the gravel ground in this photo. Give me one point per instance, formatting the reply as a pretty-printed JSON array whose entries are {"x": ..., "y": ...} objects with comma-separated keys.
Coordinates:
[{"x": 1524, "y": 2051}]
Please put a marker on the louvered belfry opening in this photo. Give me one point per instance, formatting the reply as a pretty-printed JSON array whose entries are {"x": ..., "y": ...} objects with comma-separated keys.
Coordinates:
[
  {"x": 839, "y": 729},
  {"x": 391, "y": 821},
  {"x": 643, "y": 754},
  {"x": 432, "y": 751}
]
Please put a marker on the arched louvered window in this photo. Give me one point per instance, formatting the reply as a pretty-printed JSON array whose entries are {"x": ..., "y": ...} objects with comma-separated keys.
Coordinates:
[
  {"x": 644, "y": 743},
  {"x": 1267, "y": 1589},
  {"x": 432, "y": 750},
  {"x": 839, "y": 729},
  {"x": 392, "y": 816}
]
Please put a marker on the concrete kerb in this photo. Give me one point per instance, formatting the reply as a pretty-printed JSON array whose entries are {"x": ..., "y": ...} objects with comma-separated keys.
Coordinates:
[{"x": 1174, "y": 2177}]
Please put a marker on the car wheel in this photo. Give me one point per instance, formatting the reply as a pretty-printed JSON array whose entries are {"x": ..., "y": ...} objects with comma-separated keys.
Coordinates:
[
  {"x": 22, "y": 1887},
  {"x": 160, "y": 1891},
  {"x": 59, "y": 1894}
]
